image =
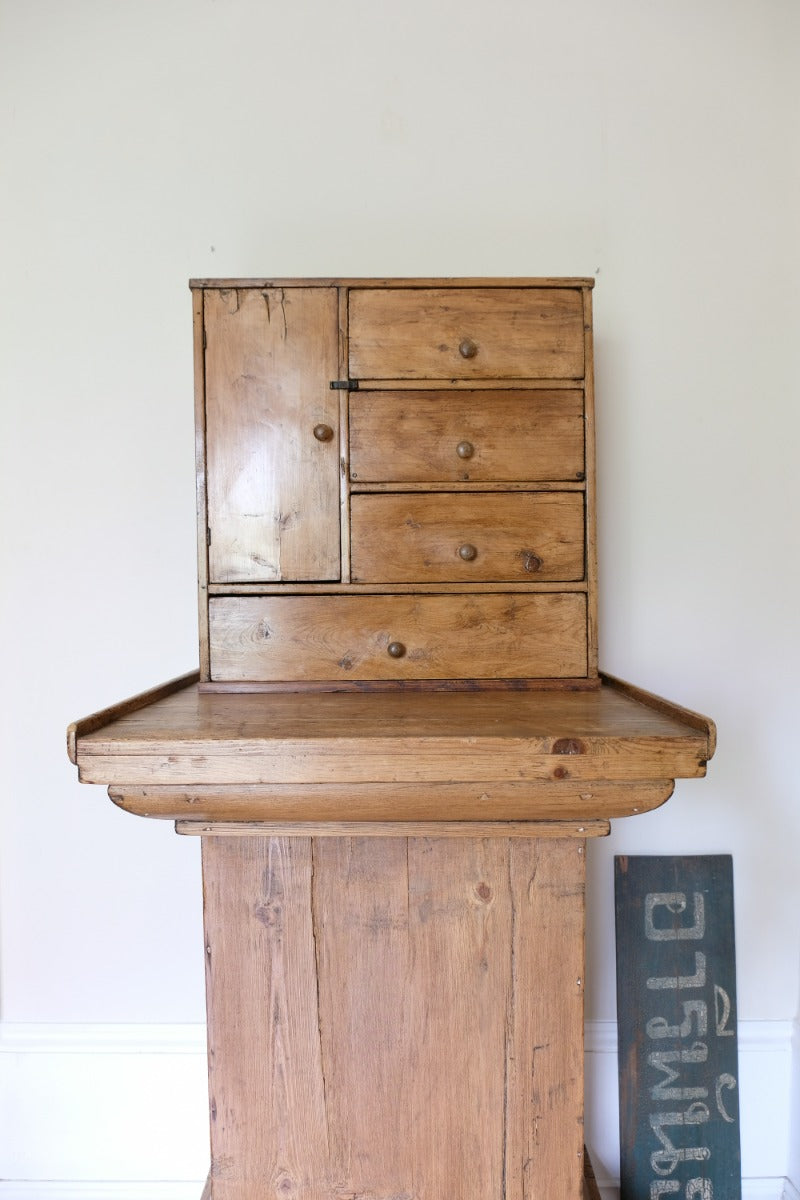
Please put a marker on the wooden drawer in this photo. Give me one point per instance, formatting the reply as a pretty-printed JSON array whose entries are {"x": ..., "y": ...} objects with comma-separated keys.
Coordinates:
[
  {"x": 467, "y": 537},
  {"x": 470, "y": 333},
  {"x": 517, "y": 636},
  {"x": 482, "y": 436}
]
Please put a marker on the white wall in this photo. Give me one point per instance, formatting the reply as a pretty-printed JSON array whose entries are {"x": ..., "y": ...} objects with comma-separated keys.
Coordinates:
[{"x": 653, "y": 145}]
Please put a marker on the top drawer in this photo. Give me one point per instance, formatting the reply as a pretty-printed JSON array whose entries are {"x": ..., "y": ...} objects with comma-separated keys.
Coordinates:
[{"x": 470, "y": 333}]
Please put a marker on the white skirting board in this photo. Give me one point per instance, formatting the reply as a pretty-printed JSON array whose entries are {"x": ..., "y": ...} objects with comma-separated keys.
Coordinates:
[{"x": 118, "y": 1112}]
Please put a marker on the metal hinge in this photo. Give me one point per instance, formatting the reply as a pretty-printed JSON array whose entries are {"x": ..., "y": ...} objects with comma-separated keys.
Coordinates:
[
  {"x": 344, "y": 385},
  {"x": 208, "y": 536}
]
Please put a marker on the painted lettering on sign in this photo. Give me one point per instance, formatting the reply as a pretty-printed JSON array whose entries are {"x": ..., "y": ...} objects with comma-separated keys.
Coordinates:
[{"x": 676, "y": 998}]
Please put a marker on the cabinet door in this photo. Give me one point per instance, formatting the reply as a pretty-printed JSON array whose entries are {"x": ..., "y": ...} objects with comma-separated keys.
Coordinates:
[{"x": 272, "y": 434}]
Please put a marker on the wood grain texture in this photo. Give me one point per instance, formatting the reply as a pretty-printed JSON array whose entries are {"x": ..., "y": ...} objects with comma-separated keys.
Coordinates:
[
  {"x": 511, "y": 800},
  {"x": 531, "y": 536},
  {"x": 516, "y": 435},
  {"x": 105, "y": 716},
  {"x": 392, "y": 1004},
  {"x": 591, "y": 484},
  {"x": 199, "y": 339},
  {"x": 505, "y": 281},
  {"x": 348, "y": 637},
  {"x": 263, "y": 1020},
  {"x": 399, "y": 737},
  {"x": 397, "y": 829},
  {"x": 273, "y": 488},
  {"x": 544, "y": 1022},
  {"x": 516, "y": 332}
]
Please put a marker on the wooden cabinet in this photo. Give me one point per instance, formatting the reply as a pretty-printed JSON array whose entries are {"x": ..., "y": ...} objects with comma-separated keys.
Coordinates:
[
  {"x": 420, "y": 449},
  {"x": 395, "y": 496}
]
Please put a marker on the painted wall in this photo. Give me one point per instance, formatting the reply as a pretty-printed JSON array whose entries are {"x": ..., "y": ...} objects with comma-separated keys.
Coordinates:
[{"x": 653, "y": 145}]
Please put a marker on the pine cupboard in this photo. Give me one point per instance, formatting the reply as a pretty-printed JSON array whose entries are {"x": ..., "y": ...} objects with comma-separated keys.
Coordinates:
[
  {"x": 398, "y": 745},
  {"x": 421, "y": 450}
]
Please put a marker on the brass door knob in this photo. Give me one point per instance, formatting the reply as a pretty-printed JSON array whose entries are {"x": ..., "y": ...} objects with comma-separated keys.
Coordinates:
[
  {"x": 467, "y": 552},
  {"x": 396, "y": 649},
  {"x": 465, "y": 449},
  {"x": 323, "y": 433},
  {"x": 468, "y": 348}
]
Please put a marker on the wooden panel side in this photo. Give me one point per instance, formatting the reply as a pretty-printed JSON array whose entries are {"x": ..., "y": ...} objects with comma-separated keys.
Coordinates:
[
  {"x": 441, "y": 637},
  {"x": 472, "y": 334},
  {"x": 460, "y": 932},
  {"x": 198, "y": 322},
  {"x": 591, "y": 487},
  {"x": 513, "y": 434},
  {"x": 447, "y": 537},
  {"x": 544, "y": 1043},
  {"x": 361, "y": 914},
  {"x": 269, "y": 1133},
  {"x": 273, "y": 484}
]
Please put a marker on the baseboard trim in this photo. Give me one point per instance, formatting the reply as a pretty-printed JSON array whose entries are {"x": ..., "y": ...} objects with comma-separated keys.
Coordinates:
[
  {"x": 80, "y": 1098},
  {"x": 752, "y": 1189},
  {"x": 601, "y": 1038},
  {"x": 100, "y": 1190}
]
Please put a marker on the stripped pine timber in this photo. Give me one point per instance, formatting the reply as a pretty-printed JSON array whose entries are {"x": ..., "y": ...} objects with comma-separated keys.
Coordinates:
[
  {"x": 398, "y": 829},
  {"x": 348, "y": 637},
  {"x": 516, "y": 435},
  {"x": 591, "y": 484},
  {"x": 395, "y": 1017},
  {"x": 273, "y": 489},
  {"x": 531, "y": 535},
  {"x": 512, "y": 800},
  {"x": 193, "y": 738},
  {"x": 401, "y": 282},
  {"x": 506, "y": 333},
  {"x": 105, "y": 716},
  {"x": 544, "y": 1051}
]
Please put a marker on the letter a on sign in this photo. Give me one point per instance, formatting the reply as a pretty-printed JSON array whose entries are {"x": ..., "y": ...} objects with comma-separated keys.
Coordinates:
[{"x": 676, "y": 1008}]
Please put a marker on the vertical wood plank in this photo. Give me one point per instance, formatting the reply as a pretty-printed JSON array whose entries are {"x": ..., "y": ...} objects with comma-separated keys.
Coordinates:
[
  {"x": 360, "y": 899},
  {"x": 395, "y": 1019},
  {"x": 460, "y": 924},
  {"x": 544, "y": 1050},
  {"x": 268, "y": 1124}
]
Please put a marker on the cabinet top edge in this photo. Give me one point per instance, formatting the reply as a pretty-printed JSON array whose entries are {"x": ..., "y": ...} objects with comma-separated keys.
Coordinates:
[{"x": 513, "y": 281}]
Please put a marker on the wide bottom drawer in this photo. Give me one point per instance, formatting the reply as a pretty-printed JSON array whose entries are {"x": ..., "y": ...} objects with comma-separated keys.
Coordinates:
[{"x": 320, "y": 638}]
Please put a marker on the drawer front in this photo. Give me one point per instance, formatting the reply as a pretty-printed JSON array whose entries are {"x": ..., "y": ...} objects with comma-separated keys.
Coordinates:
[
  {"x": 467, "y": 538},
  {"x": 474, "y": 333},
  {"x": 518, "y": 636},
  {"x": 482, "y": 436}
]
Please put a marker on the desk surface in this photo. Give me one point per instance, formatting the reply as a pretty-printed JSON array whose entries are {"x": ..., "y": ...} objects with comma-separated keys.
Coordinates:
[{"x": 347, "y": 749}]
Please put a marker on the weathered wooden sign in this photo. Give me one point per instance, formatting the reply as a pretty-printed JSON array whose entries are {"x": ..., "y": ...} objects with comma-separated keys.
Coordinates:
[{"x": 676, "y": 1008}]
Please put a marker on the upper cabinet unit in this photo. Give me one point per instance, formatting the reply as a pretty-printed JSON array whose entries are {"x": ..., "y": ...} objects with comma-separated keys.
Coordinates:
[{"x": 395, "y": 483}]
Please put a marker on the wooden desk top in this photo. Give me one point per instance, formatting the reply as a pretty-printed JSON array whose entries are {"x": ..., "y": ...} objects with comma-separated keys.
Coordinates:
[{"x": 176, "y": 752}]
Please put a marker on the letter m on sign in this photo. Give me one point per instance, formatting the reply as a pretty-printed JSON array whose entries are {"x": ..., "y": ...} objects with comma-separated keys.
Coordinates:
[{"x": 676, "y": 1011}]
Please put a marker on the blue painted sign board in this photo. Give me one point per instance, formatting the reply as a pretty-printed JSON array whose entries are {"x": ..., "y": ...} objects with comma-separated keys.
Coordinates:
[{"x": 676, "y": 1010}]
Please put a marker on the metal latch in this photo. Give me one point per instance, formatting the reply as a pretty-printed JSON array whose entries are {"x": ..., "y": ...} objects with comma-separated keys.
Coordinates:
[{"x": 344, "y": 385}]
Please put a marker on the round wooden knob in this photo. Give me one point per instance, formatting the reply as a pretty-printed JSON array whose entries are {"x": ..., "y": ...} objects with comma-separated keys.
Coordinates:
[
  {"x": 531, "y": 562},
  {"x": 465, "y": 449},
  {"x": 468, "y": 348},
  {"x": 467, "y": 552},
  {"x": 323, "y": 433},
  {"x": 396, "y": 649}
]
